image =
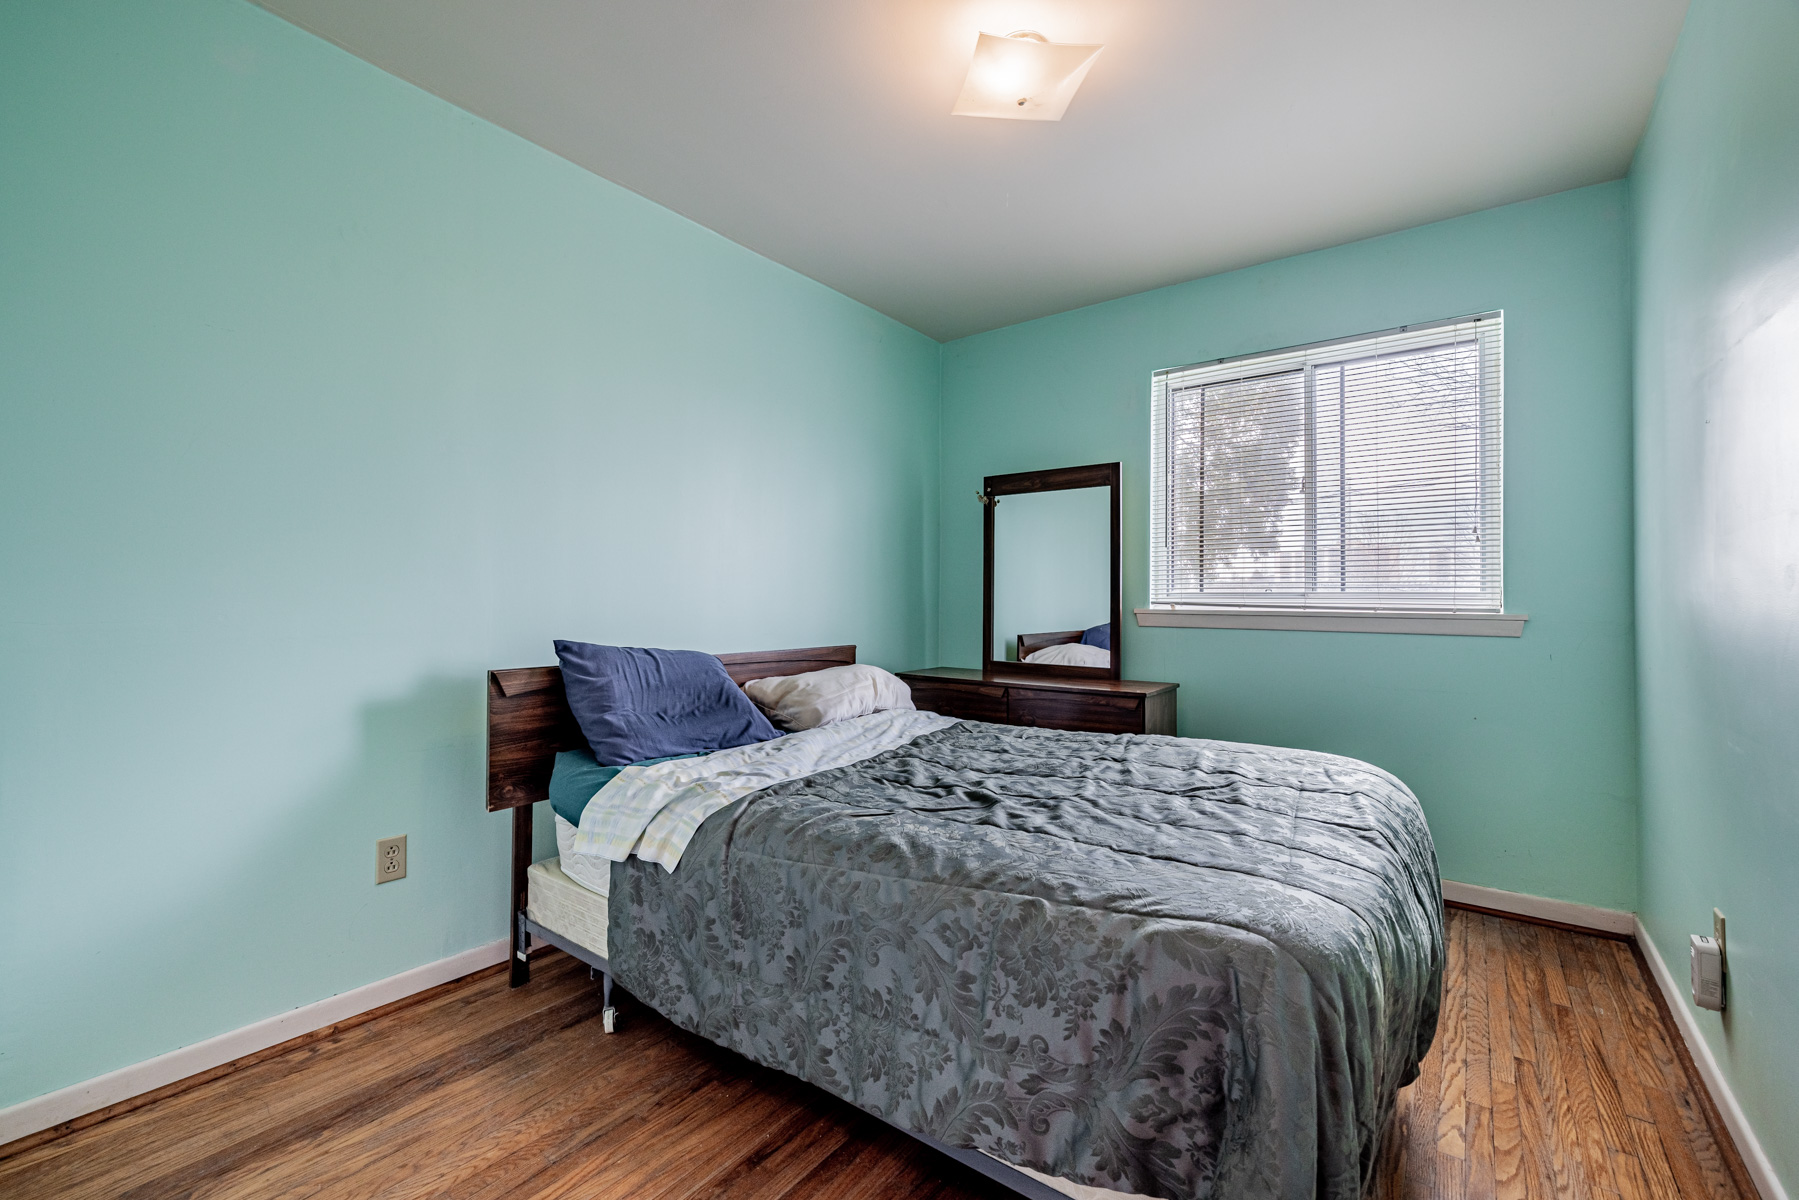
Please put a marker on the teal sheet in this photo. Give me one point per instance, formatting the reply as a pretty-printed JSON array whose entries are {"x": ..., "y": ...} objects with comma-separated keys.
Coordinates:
[{"x": 577, "y": 775}]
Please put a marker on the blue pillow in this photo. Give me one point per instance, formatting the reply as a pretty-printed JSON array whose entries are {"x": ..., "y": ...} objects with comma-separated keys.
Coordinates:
[
  {"x": 1099, "y": 635},
  {"x": 577, "y": 776},
  {"x": 634, "y": 704}
]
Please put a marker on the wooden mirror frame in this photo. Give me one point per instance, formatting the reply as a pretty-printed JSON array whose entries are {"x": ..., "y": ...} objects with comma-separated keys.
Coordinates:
[{"x": 993, "y": 487}]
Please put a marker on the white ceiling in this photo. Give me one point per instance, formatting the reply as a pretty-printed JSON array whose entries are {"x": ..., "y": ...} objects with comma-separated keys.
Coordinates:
[{"x": 1210, "y": 134}]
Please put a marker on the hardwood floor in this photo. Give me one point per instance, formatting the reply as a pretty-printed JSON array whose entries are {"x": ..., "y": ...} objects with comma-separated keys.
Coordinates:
[{"x": 1554, "y": 1074}]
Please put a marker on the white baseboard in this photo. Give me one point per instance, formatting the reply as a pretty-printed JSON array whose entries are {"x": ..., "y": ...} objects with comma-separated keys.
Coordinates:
[
  {"x": 77, "y": 1100},
  {"x": 1565, "y": 912},
  {"x": 1755, "y": 1159}
]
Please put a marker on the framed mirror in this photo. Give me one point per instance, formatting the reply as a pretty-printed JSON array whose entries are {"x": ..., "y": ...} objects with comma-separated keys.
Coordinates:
[{"x": 1053, "y": 603}]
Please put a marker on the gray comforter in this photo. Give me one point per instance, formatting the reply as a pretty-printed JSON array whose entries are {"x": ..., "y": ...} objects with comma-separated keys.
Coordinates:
[{"x": 1175, "y": 967}]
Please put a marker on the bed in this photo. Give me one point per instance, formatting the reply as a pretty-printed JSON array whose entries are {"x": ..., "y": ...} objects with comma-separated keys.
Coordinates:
[
  {"x": 1071, "y": 651},
  {"x": 1030, "y": 643},
  {"x": 1082, "y": 964}
]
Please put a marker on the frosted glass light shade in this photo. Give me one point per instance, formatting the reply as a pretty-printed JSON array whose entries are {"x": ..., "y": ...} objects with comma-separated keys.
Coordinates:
[{"x": 1021, "y": 77}]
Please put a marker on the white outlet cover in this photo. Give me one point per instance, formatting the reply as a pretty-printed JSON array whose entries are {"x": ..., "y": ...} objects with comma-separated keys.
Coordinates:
[{"x": 390, "y": 859}]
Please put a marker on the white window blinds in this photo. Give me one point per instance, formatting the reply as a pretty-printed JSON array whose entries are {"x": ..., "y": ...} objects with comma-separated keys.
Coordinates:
[{"x": 1357, "y": 474}]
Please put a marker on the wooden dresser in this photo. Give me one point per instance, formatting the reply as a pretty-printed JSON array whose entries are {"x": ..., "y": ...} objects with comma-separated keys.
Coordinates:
[{"x": 1046, "y": 701}]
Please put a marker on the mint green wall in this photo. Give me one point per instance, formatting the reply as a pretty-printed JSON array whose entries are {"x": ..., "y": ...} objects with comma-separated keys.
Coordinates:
[
  {"x": 1715, "y": 190},
  {"x": 1523, "y": 751},
  {"x": 318, "y": 397}
]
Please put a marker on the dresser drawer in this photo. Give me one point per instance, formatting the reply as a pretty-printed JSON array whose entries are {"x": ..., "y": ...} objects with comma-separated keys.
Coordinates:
[
  {"x": 1094, "y": 711},
  {"x": 971, "y": 702}
]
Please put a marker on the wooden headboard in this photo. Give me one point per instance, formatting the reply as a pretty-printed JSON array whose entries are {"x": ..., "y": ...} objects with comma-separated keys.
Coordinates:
[
  {"x": 528, "y": 720},
  {"x": 1030, "y": 643}
]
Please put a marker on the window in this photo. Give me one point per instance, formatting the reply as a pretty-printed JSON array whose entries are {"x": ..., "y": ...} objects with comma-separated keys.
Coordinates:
[{"x": 1361, "y": 475}]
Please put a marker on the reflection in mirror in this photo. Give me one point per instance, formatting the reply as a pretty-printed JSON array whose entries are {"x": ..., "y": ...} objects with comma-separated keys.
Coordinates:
[{"x": 1052, "y": 572}]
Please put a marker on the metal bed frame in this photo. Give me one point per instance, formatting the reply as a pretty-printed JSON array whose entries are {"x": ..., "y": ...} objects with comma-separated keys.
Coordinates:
[{"x": 528, "y": 929}]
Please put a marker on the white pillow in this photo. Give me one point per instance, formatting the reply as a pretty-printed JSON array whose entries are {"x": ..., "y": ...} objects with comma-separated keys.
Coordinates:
[
  {"x": 816, "y": 698},
  {"x": 1072, "y": 654}
]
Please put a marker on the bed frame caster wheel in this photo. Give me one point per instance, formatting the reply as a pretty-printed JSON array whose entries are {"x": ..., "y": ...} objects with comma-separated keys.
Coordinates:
[{"x": 609, "y": 1020}]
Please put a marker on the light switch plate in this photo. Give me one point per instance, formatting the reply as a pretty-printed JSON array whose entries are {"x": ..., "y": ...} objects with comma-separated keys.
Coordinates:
[{"x": 390, "y": 859}]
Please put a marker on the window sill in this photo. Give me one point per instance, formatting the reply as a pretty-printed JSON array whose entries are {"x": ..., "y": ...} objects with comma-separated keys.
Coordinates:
[{"x": 1325, "y": 621}]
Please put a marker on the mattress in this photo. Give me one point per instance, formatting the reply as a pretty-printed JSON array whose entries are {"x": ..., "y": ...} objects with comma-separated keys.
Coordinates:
[
  {"x": 594, "y": 874},
  {"x": 558, "y": 903}
]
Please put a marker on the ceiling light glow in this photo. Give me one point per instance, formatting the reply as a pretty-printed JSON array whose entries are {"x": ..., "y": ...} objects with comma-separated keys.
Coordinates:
[{"x": 1023, "y": 77}]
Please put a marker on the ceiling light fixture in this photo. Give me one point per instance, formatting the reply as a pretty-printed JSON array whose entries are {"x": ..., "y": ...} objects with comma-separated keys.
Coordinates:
[{"x": 1023, "y": 77}]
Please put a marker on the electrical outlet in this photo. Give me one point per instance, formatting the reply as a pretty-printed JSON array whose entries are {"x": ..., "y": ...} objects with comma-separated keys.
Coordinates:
[
  {"x": 1718, "y": 936},
  {"x": 390, "y": 859}
]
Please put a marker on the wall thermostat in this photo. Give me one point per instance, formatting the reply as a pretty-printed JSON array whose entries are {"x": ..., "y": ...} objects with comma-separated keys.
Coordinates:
[{"x": 1708, "y": 973}]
